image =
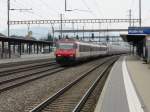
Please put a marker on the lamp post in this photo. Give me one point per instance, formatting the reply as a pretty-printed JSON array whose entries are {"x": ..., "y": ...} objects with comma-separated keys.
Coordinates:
[
  {"x": 53, "y": 31},
  {"x": 61, "y": 34},
  {"x": 8, "y": 14}
]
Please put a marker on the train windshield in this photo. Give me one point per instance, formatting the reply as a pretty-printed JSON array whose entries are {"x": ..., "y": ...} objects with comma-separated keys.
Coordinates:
[{"x": 65, "y": 46}]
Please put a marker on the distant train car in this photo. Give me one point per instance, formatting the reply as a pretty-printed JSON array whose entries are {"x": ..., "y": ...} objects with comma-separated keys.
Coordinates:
[
  {"x": 70, "y": 50},
  {"x": 116, "y": 48}
]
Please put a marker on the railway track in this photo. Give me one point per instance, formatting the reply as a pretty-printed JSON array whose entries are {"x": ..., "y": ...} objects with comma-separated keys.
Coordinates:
[
  {"x": 15, "y": 76},
  {"x": 26, "y": 67},
  {"x": 74, "y": 96},
  {"x": 15, "y": 64},
  {"x": 10, "y": 78}
]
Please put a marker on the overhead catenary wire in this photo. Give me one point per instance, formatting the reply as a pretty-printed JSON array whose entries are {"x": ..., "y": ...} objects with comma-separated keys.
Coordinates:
[
  {"x": 27, "y": 12},
  {"x": 48, "y": 7},
  {"x": 17, "y": 6},
  {"x": 41, "y": 9},
  {"x": 36, "y": 11},
  {"x": 89, "y": 9},
  {"x": 100, "y": 12},
  {"x": 86, "y": 5}
]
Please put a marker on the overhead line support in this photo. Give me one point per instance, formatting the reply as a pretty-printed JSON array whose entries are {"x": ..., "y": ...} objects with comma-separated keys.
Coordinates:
[{"x": 74, "y": 21}]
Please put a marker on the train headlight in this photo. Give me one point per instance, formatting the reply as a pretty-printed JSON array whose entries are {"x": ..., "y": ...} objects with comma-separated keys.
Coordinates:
[
  {"x": 71, "y": 55},
  {"x": 58, "y": 55}
]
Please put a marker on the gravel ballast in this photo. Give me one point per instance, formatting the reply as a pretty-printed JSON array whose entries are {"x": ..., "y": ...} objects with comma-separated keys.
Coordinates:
[{"x": 25, "y": 97}]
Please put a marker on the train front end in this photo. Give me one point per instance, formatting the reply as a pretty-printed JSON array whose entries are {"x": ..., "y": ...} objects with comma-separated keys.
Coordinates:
[{"x": 65, "y": 52}]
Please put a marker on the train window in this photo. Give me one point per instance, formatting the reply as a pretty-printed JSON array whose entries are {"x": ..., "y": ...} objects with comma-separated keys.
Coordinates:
[
  {"x": 75, "y": 46},
  {"x": 65, "y": 46},
  {"x": 84, "y": 48},
  {"x": 81, "y": 48}
]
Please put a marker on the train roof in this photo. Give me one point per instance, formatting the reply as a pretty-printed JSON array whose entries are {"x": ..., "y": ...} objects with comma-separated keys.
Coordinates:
[
  {"x": 72, "y": 40},
  {"x": 67, "y": 40}
]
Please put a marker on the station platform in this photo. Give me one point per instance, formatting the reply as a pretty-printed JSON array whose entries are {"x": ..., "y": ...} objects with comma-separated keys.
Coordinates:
[
  {"x": 28, "y": 58},
  {"x": 127, "y": 87}
]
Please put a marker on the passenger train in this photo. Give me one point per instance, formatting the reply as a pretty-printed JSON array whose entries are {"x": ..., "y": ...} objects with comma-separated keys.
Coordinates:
[{"x": 71, "y": 50}]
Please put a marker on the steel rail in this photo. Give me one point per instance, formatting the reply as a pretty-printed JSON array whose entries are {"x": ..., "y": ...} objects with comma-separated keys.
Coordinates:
[
  {"x": 41, "y": 106},
  {"x": 23, "y": 68},
  {"x": 81, "y": 103},
  {"x": 30, "y": 78},
  {"x": 25, "y": 62},
  {"x": 27, "y": 75}
]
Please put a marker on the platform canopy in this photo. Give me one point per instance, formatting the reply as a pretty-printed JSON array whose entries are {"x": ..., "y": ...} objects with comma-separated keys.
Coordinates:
[
  {"x": 133, "y": 37},
  {"x": 136, "y": 34}
]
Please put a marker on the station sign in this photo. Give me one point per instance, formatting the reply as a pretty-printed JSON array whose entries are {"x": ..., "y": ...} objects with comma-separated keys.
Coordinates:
[{"x": 139, "y": 30}]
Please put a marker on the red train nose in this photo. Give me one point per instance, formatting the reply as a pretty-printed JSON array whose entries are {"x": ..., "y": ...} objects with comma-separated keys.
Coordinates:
[{"x": 65, "y": 53}]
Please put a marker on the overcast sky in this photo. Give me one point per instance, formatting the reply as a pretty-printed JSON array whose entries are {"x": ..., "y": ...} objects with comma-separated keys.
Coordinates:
[{"x": 51, "y": 9}]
